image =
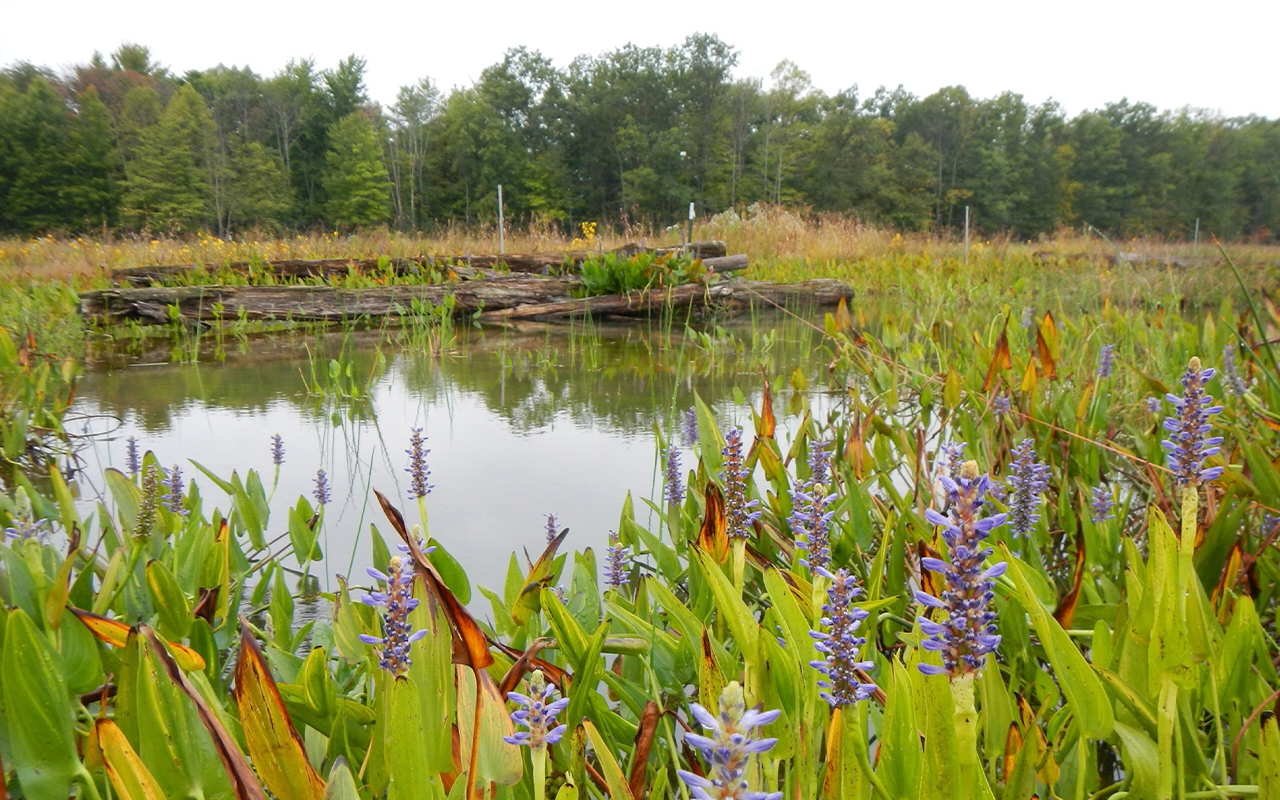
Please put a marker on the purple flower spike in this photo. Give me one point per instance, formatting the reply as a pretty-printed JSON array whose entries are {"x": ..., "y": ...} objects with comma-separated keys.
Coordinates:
[
  {"x": 1187, "y": 444},
  {"x": 969, "y": 633},
  {"x": 321, "y": 492},
  {"x": 1101, "y": 502},
  {"x": 552, "y": 527},
  {"x": 1028, "y": 479},
  {"x": 132, "y": 458},
  {"x": 617, "y": 562},
  {"x": 398, "y": 601},
  {"x": 277, "y": 450},
  {"x": 729, "y": 748},
  {"x": 840, "y": 647},
  {"x": 1104, "y": 360},
  {"x": 537, "y": 713},
  {"x": 417, "y": 469},
  {"x": 810, "y": 521},
  {"x": 673, "y": 490},
  {"x": 1001, "y": 405},
  {"x": 1153, "y": 405},
  {"x": 173, "y": 497},
  {"x": 1233, "y": 385},
  {"x": 737, "y": 507},
  {"x": 690, "y": 427}
]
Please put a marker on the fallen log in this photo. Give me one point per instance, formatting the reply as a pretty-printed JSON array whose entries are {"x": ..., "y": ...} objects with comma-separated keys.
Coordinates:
[
  {"x": 733, "y": 296},
  {"x": 337, "y": 267},
  {"x": 726, "y": 263},
  {"x": 314, "y": 303}
]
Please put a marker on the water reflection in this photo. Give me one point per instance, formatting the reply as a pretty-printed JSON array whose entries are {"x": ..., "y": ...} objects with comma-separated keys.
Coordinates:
[{"x": 519, "y": 422}]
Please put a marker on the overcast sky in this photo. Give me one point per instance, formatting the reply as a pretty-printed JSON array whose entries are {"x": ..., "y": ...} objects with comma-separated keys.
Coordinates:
[{"x": 1218, "y": 55}]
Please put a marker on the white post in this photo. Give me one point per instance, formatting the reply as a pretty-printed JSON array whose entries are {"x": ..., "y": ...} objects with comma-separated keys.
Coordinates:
[
  {"x": 966, "y": 236},
  {"x": 1195, "y": 242},
  {"x": 691, "y": 223},
  {"x": 502, "y": 241}
]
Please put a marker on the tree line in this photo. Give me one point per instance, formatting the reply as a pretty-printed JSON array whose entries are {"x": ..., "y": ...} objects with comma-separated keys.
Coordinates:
[{"x": 628, "y": 136}]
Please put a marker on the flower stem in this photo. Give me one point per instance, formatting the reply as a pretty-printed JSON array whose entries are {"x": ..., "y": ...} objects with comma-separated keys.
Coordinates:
[
  {"x": 539, "y": 757},
  {"x": 966, "y": 724}
]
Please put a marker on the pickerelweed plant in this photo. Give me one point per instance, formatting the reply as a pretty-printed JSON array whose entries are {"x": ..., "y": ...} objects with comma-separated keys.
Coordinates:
[{"x": 144, "y": 648}]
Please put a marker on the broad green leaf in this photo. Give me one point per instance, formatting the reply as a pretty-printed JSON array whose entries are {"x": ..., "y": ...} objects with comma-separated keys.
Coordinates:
[
  {"x": 732, "y": 610},
  {"x": 411, "y": 779},
  {"x": 499, "y": 762},
  {"x": 431, "y": 669},
  {"x": 169, "y": 600},
  {"x": 341, "y": 785},
  {"x": 1141, "y": 759},
  {"x": 1079, "y": 683},
  {"x": 900, "y": 755},
  {"x": 37, "y": 705}
]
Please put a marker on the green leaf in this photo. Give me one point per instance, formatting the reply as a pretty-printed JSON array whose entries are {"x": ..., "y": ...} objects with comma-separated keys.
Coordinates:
[
  {"x": 1141, "y": 759},
  {"x": 742, "y": 623},
  {"x": 411, "y": 779},
  {"x": 499, "y": 762},
  {"x": 431, "y": 669},
  {"x": 169, "y": 600},
  {"x": 38, "y": 710},
  {"x": 341, "y": 785},
  {"x": 613, "y": 776},
  {"x": 1082, "y": 687},
  {"x": 900, "y": 755}
]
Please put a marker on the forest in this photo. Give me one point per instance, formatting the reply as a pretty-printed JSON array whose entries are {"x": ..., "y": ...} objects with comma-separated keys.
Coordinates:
[{"x": 123, "y": 145}]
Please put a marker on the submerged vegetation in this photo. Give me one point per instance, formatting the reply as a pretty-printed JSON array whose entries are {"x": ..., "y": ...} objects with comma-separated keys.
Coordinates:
[{"x": 1016, "y": 538}]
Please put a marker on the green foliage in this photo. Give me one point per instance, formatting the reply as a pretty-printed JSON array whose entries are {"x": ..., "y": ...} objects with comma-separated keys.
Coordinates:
[
  {"x": 168, "y": 184},
  {"x": 355, "y": 178},
  {"x": 619, "y": 273}
]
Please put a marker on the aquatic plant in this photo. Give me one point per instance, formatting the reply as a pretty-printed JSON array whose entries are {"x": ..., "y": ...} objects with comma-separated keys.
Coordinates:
[
  {"x": 552, "y": 527},
  {"x": 277, "y": 449},
  {"x": 810, "y": 520},
  {"x": 417, "y": 469},
  {"x": 689, "y": 429},
  {"x": 321, "y": 491},
  {"x": 173, "y": 497},
  {"x": 1233, "y": 385},
  {"x": 969, "y": 632},
  {"x": 1028, "y": 479},
  {"x": 738, "y": 509},
  {"x": 1187, "y": 444},
  {"x": 729, "y": 748},
  {"x": 840, "y": 644},
  {"x": 132, "y": 459},
  {"x": 673, "y": 483},
  {"x": 617, "y": 562},
  {"x": 396, "y": 601},
  {"x": 1105, "y": 358},
  {"x": 1101, "y": 502},
  {"x": 538, "y": 711}
]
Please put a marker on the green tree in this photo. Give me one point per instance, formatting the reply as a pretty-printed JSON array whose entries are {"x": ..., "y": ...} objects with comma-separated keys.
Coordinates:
[
  {"x": 257, "y": 193},
  {"x": 40, "y": 192},
  {"x": 355, "y": 179},
  {"x": 168, "y": 186},
  {"x": 95, "y": 161}
]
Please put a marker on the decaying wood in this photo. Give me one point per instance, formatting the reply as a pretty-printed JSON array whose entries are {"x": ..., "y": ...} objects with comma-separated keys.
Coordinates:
[
  {"x": 315, "y": 303},
  {"x": 501, "y": 299},
  {"x": 726, "y": 263},
  {"x": 732, "y": 296},
  {"x": 336, "y": 267}
]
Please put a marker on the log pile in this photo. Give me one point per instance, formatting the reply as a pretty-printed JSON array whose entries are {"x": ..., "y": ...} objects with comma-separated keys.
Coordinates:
[
  {"x": 533, "y": 263},
  {"x": 502, "y": 299}
]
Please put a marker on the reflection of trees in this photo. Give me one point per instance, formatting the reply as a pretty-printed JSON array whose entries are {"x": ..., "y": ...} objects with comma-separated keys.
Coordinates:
[{"x": 621, "y": 377}]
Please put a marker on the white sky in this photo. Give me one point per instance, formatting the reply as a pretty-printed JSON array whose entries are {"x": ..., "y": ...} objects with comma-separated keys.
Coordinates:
[{"x": 1219, "y": 55}]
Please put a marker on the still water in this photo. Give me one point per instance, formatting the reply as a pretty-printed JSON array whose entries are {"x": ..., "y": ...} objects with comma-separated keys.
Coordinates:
[{"x": 520, "y": 423}]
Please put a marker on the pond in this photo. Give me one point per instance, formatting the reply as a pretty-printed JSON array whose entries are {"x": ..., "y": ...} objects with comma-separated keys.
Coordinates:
[{"x": 519, "y": 422}]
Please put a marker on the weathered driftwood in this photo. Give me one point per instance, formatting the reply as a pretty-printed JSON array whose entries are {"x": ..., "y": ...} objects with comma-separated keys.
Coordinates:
[
  {"x": 315, "y": 303},
  {"x": 331, "y": 267},
  {"x": 735, "y": 263},
  {"x": 504, "y": 299},
  {"x": 732, "y": 296}
]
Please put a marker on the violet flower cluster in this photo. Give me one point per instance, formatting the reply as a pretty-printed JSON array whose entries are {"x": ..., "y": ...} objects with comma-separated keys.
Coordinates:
[
  {"x": 1105, "y": 359},
  {"x": 277, "y": 449},
  {"x": 538, "y": 713},
  {"x": 617, "y": 562},
  {"x": 841, "y": 645},
  {"x": 552, "y": 527},
  {"x": 810, "y": 521},
  {"x": 149, "y": 503},
  {"x": 953, "y": 452},
  {"x": 673, "y": 489},
  {"x": 690, "y": 427},
  {"x": 321, "y": 492},
  {"x": 1101, "y": 502},
  {"x": 1001, "y": 405},
  {"x": 24, "y": 524},
  {"x": 1233, "y": 385},
  {"x": 968, "y": 633},
  {"x": 1028, "y": 479},
  {"x": 737, "y": 507},
  {"x": 417, "y": 469},
  {"x": 132, "y": 458},
  {"x": 173, "y": 497},
  {"x": 397, "y": 601},
  {"x": 1187, "y": 444},
  {"x": 729, "y": 748},
  {"x": 1153, "y": 405}
]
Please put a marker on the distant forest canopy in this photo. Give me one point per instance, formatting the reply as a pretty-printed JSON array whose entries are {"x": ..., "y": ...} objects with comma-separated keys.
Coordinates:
[{"x": 630, "y": 136}]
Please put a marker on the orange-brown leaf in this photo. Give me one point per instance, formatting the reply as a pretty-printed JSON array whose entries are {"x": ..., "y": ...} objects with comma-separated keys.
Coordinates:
[
  {"x": 768, "y": 422},
  {"x": 643, "y": 744},
  {"x": 1230, "y": 574},
  {"x": 1012, "y": 745},
  {"x": 1046, "y": 341},
  {"x": 528, "y": 661},
  {"x": 1066, "y": 610},
  {"x": 713, "y": 537},
  {"x": 274, "y": 744},
  {"x": 116, "y": 633},
  {"x": 1000, "y": 359}
]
